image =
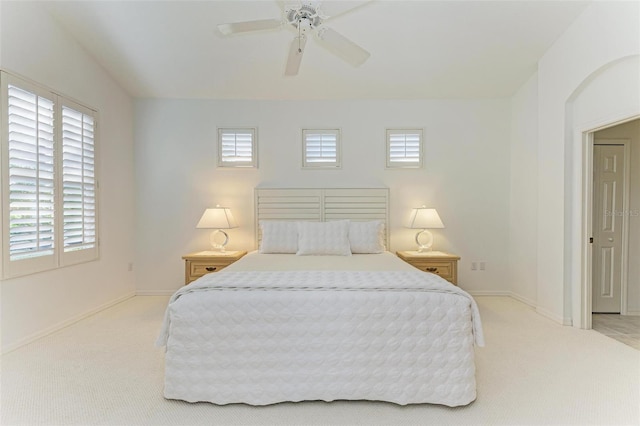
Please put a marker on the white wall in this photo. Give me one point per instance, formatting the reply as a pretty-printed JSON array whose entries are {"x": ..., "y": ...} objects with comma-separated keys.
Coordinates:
[
  {"x": 603, "y": 34},
  {"x": 631, "y": 131},
  {"x": 523, "y": 205},
  {"x": 466, "y": 175},
  {"x": 34, "y": 46}
]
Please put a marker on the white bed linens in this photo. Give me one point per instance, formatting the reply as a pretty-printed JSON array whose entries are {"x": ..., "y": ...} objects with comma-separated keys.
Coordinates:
[{"x": 262, "y": 337}]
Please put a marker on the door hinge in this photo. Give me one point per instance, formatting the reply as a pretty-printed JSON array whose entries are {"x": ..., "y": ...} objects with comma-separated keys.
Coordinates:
[{"x": 591, "y": 240}]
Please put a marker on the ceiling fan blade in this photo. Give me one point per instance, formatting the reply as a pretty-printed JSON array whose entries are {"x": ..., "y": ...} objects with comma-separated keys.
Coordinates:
[
  {"x": 342, "y": 46},
  {"x": 295, "y": 55},
  {"x": 248, "y": 26},
  {"x": 332, "y": 9}
]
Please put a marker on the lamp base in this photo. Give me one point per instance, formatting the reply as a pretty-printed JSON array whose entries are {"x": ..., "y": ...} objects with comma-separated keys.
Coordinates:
[
  {"x": 214, "y": 239},
  {"x": 424, "y": 240}
]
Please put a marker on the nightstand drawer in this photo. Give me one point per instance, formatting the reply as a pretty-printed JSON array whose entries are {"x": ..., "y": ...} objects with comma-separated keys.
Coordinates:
[
  {"x": 442, "y": 264},
  {"x": 207, "y": 262},
  {"x": 199, "y": 269},
  {"x": 444, "y": 269}
]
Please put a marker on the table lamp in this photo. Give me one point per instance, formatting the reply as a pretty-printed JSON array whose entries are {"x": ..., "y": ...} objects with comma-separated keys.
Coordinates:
[
  {"x": 217, "y": 218},
  {"x": 424, "y": 218}
]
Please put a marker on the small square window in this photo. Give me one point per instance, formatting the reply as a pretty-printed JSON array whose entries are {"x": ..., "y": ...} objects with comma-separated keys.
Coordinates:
[
  {"x": 237, "y": 147},
  {"x": 321, "y": 149},
  {"x": 404, "y": 148}
]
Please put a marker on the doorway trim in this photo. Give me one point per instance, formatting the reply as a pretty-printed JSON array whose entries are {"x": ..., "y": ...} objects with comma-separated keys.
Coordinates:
[{"x": 586, "y": 284}]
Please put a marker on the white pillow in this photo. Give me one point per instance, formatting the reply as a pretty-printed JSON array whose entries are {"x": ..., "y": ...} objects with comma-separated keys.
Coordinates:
[
  {"x": 330, "y": 238},
  {"x": 367, "y": 237},
  {"x": 278, "y": 236}
]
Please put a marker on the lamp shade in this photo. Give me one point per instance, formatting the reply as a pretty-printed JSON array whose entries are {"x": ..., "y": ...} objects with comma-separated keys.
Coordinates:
[
  {"x": 217, "y": 218},
  {"x": 424, "y": 218}
]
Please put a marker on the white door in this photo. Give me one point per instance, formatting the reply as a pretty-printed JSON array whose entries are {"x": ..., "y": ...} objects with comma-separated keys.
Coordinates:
[{"x": 608, "y": 217}]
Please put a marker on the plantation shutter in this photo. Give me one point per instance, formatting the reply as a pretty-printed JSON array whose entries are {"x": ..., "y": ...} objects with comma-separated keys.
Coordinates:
[
  {"x": 321, "y": 148},
  {"x": 404, "y": 148},
  {"x": 48, "y": 177},
  {"x": 236, "y": 148},
  {"x": 31, "y": 189},
  {"x": 78, "y": 179}
]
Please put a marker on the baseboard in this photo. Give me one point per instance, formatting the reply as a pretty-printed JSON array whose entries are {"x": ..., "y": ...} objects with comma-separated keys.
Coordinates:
[
  {"x": 524, "y": 300},
  {"x": 633, "y": 313},
  {"x": 541, "y": 311},
  {"x": 489, "y": 293},
  {"x": 155, "y": 292},
  {"x": 66, "y": 323},
  {"x": 553, "y": 317}
]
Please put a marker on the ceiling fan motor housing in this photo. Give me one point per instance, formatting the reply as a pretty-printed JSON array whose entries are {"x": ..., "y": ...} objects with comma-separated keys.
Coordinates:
[{"x": 305, "y": 17}]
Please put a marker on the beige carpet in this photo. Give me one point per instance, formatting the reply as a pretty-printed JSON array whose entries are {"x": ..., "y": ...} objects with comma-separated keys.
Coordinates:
[{"x": 105, "y": 370}]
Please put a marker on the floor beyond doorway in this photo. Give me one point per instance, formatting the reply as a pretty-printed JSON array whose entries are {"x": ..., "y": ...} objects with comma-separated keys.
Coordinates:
[{"x": 623, "y": 328}]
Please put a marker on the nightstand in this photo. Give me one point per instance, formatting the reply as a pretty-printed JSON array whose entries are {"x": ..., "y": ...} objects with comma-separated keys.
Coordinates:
[
  {"x": 204, "y": 262},
  {"x": 436, "y": 262}
]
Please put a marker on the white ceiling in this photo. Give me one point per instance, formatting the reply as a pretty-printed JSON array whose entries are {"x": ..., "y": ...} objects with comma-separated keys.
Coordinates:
[{"x": 419, "y": 49}]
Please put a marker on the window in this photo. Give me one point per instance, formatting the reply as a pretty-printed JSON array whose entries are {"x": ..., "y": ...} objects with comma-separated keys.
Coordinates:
[
  {"x": 321, "y": 148},
  {"x": 404, "y": 148},
  {"x": 237, "y": 148},
  {"x": 48, "y": 179}
]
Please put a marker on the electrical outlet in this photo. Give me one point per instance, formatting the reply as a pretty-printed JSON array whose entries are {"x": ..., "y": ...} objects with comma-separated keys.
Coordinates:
[
  {"x": 474, "y": 266},
  {"x": 483, "y": 266}
]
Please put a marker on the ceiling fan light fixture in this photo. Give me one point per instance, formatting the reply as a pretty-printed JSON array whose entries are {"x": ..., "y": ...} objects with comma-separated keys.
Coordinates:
[{"x": 305, "y": 24}]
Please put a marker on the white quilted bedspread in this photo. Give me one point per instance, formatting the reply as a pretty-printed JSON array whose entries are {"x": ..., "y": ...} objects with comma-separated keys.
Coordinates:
[{"x": 272, "y": 336}]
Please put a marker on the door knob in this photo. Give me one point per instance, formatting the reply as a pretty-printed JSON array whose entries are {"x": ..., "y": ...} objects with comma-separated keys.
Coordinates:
[{"x": 610, "y": 240}]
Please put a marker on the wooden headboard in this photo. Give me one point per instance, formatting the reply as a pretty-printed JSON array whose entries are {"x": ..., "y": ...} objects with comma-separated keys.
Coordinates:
[{"x": 321, "y": 204}]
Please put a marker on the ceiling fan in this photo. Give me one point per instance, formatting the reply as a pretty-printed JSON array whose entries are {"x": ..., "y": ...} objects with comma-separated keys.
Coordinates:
[{"x": 308, "y": 17}]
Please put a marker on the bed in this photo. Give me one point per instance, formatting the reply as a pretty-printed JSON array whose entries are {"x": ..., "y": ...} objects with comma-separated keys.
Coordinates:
[{"x": 320, "y": 323}]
